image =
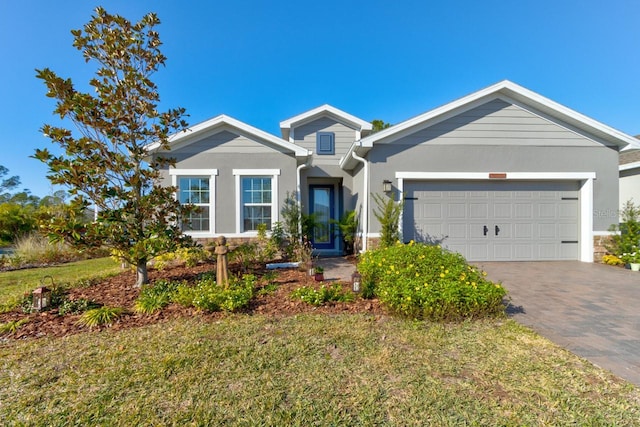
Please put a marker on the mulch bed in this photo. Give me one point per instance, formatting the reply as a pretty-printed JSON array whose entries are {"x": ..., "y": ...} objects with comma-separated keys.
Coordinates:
[{"x": 120, "y": 291}]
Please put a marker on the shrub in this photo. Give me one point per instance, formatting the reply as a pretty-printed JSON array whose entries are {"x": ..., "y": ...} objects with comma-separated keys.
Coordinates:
[
  {"x": 323, "y": 295},
  {"x": 100, "y": 316},
  {"x": 76, "y": 306},
  {"x": 155, "y": 297},
  {"x": 611, "y": 260},
  {"x": 388, "y": 214},
  {"x": 428, "y": 282},
  {"x": 208, "y": 295},
  {"x": 190, "y": 256},
  {"x": 626, "y": 237}
]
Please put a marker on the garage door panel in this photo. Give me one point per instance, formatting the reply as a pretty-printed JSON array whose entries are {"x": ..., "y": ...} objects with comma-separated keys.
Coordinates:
[
  {"x": 523, "y": 231},
  {"x": 523, "y": 211},
  {"x": 476, "y": 251},
  {"x": 457, "y": 210},
  {"x": 534, "y": 218},
  {"x": 457, "y": 231},
  {"x": 503, "y": 210},
  {"x": 478, "y": 210}
]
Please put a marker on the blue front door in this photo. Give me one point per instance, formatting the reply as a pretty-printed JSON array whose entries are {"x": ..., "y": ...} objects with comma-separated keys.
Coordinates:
[{"x": 321, "y": 206}]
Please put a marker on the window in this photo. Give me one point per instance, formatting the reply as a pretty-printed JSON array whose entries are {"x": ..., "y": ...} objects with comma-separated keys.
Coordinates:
[
  {"x": 325, "y": 143},
  {"x": 195, "y": 190},
  {"x": 257, "y": 196},
  {"x": 256, "y": 202},
  {"x": 196, "y": 187}
]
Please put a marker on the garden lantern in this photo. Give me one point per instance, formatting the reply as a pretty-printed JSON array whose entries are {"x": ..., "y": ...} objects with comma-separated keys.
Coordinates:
[
  {"x": 356, "y": 279},
  {"x": 41, "y": 298},
  {"x": 310, "y": 270}
]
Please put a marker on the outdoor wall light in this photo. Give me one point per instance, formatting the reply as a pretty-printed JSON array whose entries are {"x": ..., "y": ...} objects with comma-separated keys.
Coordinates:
[{"x": 386, "y": 186}]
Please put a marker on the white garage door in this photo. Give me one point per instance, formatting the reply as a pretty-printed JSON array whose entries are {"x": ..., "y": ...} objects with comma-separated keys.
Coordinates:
[{"x": 496, "y": 221}]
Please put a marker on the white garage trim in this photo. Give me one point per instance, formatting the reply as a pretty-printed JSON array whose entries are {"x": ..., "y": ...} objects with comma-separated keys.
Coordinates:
[{"x": 586, "y": 193}]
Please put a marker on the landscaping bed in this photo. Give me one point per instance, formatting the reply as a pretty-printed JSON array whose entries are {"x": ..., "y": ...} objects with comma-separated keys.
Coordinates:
[{"x": 119, "y": 291}]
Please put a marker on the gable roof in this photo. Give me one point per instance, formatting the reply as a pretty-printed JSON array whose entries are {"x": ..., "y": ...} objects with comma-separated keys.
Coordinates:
[
  {"x": 191, "y": 135},
  {"x": 323, "y": 110},
  {"x": 507, "y": 91}
]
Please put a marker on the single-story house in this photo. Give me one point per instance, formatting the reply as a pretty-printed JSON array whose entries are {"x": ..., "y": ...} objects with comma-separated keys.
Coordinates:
[
  {"x": 629, "y": 169},
  {"x": 501, "y": 174}
]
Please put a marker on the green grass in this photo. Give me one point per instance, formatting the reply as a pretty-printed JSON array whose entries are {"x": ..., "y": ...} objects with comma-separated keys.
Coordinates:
[
  {"x": 308, "y": 370},
  {"x": 14, "y": 283}
]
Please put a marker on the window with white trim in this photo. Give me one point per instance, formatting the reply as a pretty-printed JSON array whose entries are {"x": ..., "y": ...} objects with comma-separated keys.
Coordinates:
[
  {"x": 257, "y": 196},
  {"x": 196, "y": 187},
  {"x": 194, "y": 190},
  {"x": 256, "y": 202}
]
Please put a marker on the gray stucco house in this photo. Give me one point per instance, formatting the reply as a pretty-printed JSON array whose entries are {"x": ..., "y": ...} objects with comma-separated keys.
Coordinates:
[
  {"x": 629, "y": 169},
  {"x": 500, "y": 174}
]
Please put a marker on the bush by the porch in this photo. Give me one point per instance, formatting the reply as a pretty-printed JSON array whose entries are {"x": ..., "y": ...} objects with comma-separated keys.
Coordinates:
[{"x": 428, "y": 282}]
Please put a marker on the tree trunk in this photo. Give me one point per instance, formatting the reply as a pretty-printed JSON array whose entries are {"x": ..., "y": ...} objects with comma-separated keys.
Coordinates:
[{"x": 142, "y": 274}]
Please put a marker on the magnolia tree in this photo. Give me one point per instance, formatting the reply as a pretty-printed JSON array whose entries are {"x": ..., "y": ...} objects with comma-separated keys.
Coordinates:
[{"x": 104, "y": 161}]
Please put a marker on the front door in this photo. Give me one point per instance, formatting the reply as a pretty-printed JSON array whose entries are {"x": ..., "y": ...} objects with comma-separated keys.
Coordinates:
[{"x": 321, "y": 206}]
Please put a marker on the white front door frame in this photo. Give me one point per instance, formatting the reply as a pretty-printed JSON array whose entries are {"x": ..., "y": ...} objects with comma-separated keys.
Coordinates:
[{"x": 586, "y": 193}]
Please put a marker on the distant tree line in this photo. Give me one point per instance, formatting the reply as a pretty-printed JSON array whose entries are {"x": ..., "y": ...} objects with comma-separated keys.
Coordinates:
[{"x": 21, "y": 211}]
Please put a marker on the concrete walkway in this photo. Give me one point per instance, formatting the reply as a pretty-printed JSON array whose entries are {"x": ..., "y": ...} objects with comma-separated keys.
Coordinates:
[
  {"x": 593, "y": 310},
  {"x": 336, "y": 268}
]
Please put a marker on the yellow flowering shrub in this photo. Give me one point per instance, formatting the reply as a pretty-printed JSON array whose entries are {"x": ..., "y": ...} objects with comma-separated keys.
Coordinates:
[{"x": 429, "y": 282}]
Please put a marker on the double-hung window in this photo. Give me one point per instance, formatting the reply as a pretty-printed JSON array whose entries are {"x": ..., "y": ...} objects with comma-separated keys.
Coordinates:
[
  {"x": 257, "y": 195},
  {"x": 196, "y": 187}
]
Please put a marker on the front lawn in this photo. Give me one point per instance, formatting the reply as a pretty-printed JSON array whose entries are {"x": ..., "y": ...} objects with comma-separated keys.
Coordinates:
[
  {"x": 14, "y": 283},
  {"x": 309, "y": 369}
]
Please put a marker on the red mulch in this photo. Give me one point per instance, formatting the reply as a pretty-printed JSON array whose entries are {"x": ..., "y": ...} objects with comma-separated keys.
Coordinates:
[{"x": 119, "y": 291}]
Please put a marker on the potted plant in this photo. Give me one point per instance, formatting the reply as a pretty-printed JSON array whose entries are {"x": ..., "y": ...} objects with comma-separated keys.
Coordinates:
[
  {"x": 318, "y": 274},
  {"x": 633, "y": 259},
  {"x": 348, "y": 227}
]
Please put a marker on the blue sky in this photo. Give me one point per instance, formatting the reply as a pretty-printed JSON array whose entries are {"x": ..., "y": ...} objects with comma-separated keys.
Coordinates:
[{"x": 262, "y": 62}]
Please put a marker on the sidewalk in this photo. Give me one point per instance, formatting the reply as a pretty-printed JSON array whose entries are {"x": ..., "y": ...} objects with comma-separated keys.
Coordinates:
[{"x": 336, "y": 268}]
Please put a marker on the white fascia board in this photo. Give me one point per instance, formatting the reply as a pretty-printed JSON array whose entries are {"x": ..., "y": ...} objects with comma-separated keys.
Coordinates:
[
  {"x": 511, "y": 90},
  {"x": 628, "y": 166},
  {"x": 219, "y": 121},
  {"x": 319, "y": 111},
  {"x": 522, "y": 176}
]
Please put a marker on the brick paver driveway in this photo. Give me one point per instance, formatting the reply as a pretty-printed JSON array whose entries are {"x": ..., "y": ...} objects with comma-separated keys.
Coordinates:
[{"x": 592, "y": 310}]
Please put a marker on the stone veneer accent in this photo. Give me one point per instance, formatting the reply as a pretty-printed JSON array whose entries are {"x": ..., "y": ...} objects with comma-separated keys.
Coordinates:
[{"x": 599, "y": 249}]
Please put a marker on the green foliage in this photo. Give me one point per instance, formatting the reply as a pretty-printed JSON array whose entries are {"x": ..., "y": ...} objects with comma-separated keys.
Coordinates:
[
  {"x": 348, "y": 227},
  {"x": 76, "y": 306},
  {"x": 626, "y": 237},
  {"x": 388, "y": 215},
  {"x": 209, "y": 296},
  {"x": 15, "y": 220},
  {"x": 189, "y": 255},
  {"x": 428, "y": 282},
  {"x": 379, "y": 125},
  {"x": 12, "y": 326},
  {"x": 296, "y": 231},
  {"x": 100, "y": 316},
  {"x": 155, "y": 297},
  {"x": 317, "y": 297},
  {"x": 109, "y": 164}
]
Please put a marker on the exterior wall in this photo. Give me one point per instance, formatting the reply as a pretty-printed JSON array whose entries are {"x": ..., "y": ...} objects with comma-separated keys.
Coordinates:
[
  {"x": 630, "y": 186},
  {"x": 496, "y": 122},
  {"x": 226, "y": 151},
  {"x": 496, "y": 146},
  {"x": 305, "y": 136}
]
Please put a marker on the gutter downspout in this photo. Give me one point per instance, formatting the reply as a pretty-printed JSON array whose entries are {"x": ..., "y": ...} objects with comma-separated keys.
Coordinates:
[
  {"x": 299, "y": 193},
  {"x": 365, "y": 202}
]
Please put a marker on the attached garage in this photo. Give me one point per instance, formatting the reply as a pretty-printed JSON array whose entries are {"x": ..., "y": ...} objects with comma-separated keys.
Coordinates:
[{"x": 496, "y": 220}]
